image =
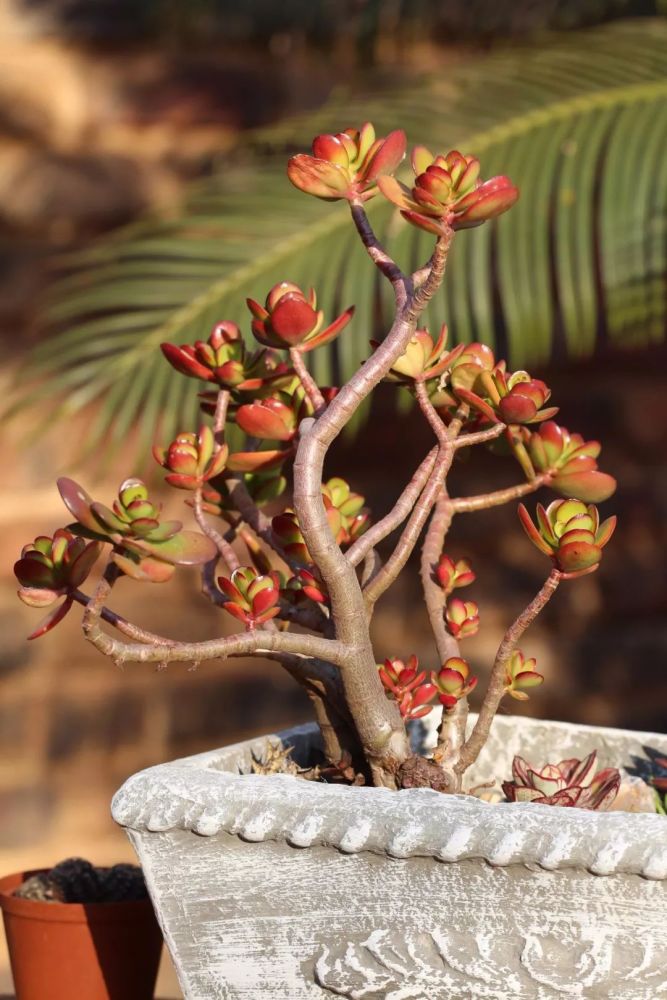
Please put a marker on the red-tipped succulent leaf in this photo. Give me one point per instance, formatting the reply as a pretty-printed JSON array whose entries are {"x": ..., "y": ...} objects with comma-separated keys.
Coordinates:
[{"x": 447, "y": 193}]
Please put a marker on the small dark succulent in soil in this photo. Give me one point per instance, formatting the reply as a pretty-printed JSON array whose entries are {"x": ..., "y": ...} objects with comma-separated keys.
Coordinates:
[{"x": 77, "y": 881}]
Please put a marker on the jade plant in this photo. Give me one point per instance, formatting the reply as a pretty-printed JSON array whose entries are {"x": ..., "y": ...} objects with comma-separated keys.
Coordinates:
[{"x": 281, "y": 544}]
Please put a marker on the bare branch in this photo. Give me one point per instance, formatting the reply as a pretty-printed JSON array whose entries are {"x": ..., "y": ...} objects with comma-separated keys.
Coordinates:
[
  {"x": 464, "y": 505},
  {"x": 372, "y": 566},
  {"x": 220, "y": 418},
  {"x": 497, "y": 682},
  {"x": 479, "y": 437},
  {"x": 436, "y": 424},
  {"x": 376, "y": 252},
  {"x": 406, "y": 543},
  {"x": 122, "y": 624},
  {"x": 396, "y": 515},
  {"x": 222, "y": 545},
  {"x": 422, "y": 509},
  {"x": 160, "y": 650},
  {"x": 307, "y": 381},
  {"x": 433, "y": 280}
]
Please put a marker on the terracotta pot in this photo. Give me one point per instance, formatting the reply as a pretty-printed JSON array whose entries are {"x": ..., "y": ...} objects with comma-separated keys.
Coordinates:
[
  {"x": 274, "y": 888},
  {"x": 80, "y": 951}
]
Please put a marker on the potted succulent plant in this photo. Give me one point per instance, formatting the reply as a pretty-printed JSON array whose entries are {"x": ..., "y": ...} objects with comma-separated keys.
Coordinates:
[
  {"x": 455, "y": 871},
  {"x": 81, "y": 931}
]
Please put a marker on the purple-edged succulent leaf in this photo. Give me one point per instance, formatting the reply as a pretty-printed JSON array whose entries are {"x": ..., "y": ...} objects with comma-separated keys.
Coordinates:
[
  {"x": 33, "y": 572},
  {"x": 52, "y": 619},
  {"x": 187, "y": 548},
  {"x": 78, "y": 503},
  {"x": 38, "y": 597},
  {"x": 144, "y": 568},
  {"x": 105, "y": 518},
  {"x": 83, "y": 564}
]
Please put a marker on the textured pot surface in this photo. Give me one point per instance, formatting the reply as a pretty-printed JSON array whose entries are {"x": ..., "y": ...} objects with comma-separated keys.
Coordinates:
[
  {"x": 273, "y": 888},
  {"x": 77, "y": 951}
]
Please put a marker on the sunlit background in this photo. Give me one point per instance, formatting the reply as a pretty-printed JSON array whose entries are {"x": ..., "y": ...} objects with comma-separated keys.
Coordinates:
[{"x": 142, "y": 196}]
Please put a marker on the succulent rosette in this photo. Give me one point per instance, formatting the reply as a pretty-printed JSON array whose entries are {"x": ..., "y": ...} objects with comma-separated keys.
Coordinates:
[
  {"x": 50, "y": 568},
  {"x": 570, "y": 783},
  {"x": 570, "y": 532},
  {"x": 466, "y": 373},
  {"x": 521, "y": 676},
  {"x": 349, "y": 506},
  {"x": 291, "y": 319},
  {"x": 407, "y": 686},
  {"x": 253, "y": 598},
  {"x": 447, "y": 192},
  {"x": 423, "y": 359},
  {"x": 307, "y": 581},
  {"x": 223, "y": 359},
  {"x": 145, "y": 548},
  {"x": 572, "y": 461},
  {"x": 509, "y": 398},
  {"x": 453, "y": 681},
  {"x": 347, "y": 165},
  {"x": 345, "y": 514},
  {"x": 450, "y": 574},
  {"x": 192, "y": 459},
  {"x": 462, "y": 618}
]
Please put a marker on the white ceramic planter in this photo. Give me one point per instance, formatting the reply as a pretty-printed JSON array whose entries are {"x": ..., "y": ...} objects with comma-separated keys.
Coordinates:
[{"x": 273, "y": 888}]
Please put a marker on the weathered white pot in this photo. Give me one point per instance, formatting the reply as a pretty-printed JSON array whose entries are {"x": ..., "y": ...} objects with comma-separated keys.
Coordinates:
[{"x": 273, "y": 888}]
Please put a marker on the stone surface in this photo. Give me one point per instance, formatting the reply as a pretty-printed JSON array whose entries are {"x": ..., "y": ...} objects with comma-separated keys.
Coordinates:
[{"x": 272, "y": 888}]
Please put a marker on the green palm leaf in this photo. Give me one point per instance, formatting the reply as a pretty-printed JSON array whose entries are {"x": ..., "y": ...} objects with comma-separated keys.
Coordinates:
[{"x": 579, "y": 123}]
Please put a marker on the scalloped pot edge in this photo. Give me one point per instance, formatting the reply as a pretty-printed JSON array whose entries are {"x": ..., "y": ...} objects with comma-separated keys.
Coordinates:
[{"x": 207, "y": 795}]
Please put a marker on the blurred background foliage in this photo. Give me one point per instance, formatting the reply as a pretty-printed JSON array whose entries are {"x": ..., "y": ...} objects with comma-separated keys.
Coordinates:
[
  {"x": 324, "y": 23},
  {"x": 577, "y": 119}
]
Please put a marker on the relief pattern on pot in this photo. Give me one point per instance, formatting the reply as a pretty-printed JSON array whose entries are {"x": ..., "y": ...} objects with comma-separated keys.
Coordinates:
[{"x": 567, "y": 961}]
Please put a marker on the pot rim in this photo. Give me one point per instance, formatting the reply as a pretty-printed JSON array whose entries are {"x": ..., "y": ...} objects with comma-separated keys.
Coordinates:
[
  {"x": 121, "y": 911},
  {"x": 195, "y": 795}
]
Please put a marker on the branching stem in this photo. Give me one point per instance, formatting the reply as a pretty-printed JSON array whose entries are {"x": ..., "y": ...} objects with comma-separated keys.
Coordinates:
[{"x": 497, "y": 681}]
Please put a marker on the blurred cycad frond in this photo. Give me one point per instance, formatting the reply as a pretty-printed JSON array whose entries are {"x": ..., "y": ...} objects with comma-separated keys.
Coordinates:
[{"x": 578, "y": 122}]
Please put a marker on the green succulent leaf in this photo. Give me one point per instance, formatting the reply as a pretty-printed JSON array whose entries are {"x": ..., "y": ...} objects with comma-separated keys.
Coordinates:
[{"x": 578, "y": 123}]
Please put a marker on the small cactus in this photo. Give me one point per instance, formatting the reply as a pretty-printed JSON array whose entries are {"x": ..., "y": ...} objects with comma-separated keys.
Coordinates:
[{"x": 76, "y": 880}]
